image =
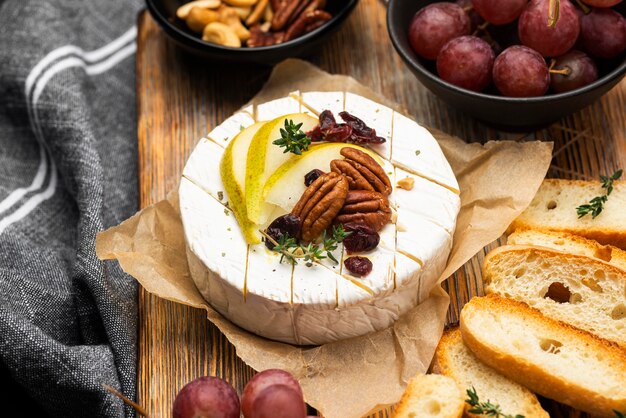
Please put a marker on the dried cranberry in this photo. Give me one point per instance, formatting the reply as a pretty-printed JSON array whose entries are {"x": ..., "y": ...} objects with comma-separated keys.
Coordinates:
[
  {"x": 361, "y": 133},
  {"x": 359, "y": 266},
  {"x": 354, "y": 130},
  {"x": 311, "y": 176},
  {"x": 287, "y": 224},
  {"x": 362, "y": 238},
  {"x": 327, "y": 120}
]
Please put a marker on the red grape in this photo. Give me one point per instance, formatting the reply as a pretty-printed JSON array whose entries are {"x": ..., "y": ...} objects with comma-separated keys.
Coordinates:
[
  {"x": 208, "y": 397},
  {"x": 262, "y": 380},
  {"x": 603, "y": 33},
  {"x": 467, "y": 62},
  {"x": 434, "y": 25},
  {"x": 535, "y": 32},
  {"x": 499, "y": 12},
  {"x": 582, "y": 71},
  {"x": 278, "y": 401},
  {"x": 602, "y": 3},
  {"x": 521, "y": 72}
]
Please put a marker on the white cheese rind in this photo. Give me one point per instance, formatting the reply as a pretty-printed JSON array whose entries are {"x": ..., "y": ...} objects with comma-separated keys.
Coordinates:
[
  {"x": 415, "y": 148},
  {"x": 323, "y": 303},
  {"x": 227, "y": 130}
]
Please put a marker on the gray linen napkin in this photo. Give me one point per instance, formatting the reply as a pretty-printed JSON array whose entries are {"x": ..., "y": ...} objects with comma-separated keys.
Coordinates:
[{"x": 67, "y": 170}]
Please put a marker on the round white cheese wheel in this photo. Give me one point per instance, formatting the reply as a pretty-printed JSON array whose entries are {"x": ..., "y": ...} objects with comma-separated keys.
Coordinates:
[{"x": 322, "y": 303}]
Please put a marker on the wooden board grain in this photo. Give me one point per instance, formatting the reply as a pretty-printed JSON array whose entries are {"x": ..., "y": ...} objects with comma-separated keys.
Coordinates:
[{"x": 180, "y": 98}]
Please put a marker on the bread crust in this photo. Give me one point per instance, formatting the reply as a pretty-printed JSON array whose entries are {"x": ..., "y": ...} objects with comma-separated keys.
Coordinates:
[
  {"x": 529, "y": 374},
  {"x": 603, "y": 235},
  {"x": 609, "y": 253},
  {"x": 441, "y": 365}
]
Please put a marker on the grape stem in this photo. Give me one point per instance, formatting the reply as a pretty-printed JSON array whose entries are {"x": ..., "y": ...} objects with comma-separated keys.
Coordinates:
[
  {"x": 586, "y": 9},
  {"x": 483, "y": 27},
  {"x": 554, "y": 11},
  {"x": 138, "y": 408},
  {"x": 468, "y": 8},
  {"x": 565, "y": 71}
]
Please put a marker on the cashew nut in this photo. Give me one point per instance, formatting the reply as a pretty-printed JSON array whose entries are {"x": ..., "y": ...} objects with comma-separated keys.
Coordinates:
[
  {"x": 268, "y": 13},
  {"x": 258, "y": 11},
  {"x": 219, "y": 33},
  {"x": 183, "y": 11},
  {"x": 229, "y": 16},
  {"x": 241, "y": 3},
  {"x": 243, "y": 12},
  {"x": 198, "y": 18}
]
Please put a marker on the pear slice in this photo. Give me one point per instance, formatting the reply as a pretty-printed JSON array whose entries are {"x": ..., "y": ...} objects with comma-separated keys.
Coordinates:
[
  {"x": 285, "y": 186},
  {"x": 233, "y": 173},
  {"x": 264, "y": 158}
]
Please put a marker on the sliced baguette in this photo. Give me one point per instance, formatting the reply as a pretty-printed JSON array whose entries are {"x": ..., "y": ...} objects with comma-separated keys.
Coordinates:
[
  {"x": 587, "y": 293},
  {"x": 431, "y": 396},
  {"x": 569, "y": 243},
  {"x": 455, "y": 360},
  {"x": 547, "y": 356},
  {"x": 554, "y": 208}
]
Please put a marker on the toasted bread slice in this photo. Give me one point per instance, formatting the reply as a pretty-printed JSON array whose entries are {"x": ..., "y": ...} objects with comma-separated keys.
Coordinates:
[
  {"x": 547, "y": 356},
  {"x": 554, "y": 207},
  {"x": 431, "y": 396},
  {"x": 587, "y": 293},
  {"x": 569, "y": 243},
  {"x": 455, "y": 360}
]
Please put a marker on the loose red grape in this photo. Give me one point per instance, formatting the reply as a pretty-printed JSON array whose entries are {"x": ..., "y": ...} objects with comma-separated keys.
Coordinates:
[
  {"x": 603, "y": 33},
  {"x": 534, "y": 31},
  {"x": 602, "y": 3},
  {"x": 475, "y": 18},
  {"x": 580, "y": 68},
  {"x": 263, "y": 380},
  {"x": 521, "y": 72},
  {"x": 466, "y": 62},
  {"x": 499, "y": 12},
  {"x": 434, "y": 25},
  {"x": 278, "y": 401},
  {"x": 208, "y": 397}
]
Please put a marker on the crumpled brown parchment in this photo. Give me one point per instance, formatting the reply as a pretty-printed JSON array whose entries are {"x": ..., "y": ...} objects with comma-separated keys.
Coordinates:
[{"x": 345, "y": 379}]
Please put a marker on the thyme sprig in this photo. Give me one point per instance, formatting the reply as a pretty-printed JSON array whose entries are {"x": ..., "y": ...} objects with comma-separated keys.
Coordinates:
[
  {"x": 596, "y": 205},
  {"x": 619, "y": 414},
  {"x": 485, "y": 408},
  {"x": 291, "y": 251},
  {"x": 292, "y": 138}
]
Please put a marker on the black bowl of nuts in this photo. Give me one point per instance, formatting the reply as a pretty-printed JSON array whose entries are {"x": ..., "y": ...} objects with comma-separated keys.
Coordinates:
[
  {"x": 515, "y": 64},
  {"x": 257, "y": 31}
]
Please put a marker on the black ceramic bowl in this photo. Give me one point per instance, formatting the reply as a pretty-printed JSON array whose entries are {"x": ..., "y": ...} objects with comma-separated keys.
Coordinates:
[
  {"x": 517, "y": 114},
  {"x": 164, "y": 12}
]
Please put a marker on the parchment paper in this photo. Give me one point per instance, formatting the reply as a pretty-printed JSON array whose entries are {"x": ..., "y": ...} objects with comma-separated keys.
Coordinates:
[{"x": 345, "y": 379}]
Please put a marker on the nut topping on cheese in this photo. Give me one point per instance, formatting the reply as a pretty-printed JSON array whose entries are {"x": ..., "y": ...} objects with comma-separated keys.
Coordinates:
[{"x": 319, "y": 292}]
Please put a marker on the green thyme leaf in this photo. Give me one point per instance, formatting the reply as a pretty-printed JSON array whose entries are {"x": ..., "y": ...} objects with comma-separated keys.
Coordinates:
[
  {"x": 485, "y": 408},
  {"x": 292, "y": 138},
  {"x": 596, "y": 205}
]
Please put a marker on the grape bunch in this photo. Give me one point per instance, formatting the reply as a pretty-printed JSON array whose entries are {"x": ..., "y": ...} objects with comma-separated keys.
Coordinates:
[
  {"x": 521, "y": 48},
  {"x": 272, "y": 393}
]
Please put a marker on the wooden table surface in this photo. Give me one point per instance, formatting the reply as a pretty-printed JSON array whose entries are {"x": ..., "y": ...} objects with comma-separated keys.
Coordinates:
[{"x": 180, "y": 98}]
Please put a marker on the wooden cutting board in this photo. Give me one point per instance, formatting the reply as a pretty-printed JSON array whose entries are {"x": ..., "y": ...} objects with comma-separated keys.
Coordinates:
[{"x": 180, "y": 98}]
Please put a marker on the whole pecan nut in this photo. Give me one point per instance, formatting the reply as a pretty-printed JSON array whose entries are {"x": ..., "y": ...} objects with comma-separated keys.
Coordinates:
[
  {"x": 365, "y": 207},
  {"x": 320, "y": 203},
  {"x": 362, "y": 171}
]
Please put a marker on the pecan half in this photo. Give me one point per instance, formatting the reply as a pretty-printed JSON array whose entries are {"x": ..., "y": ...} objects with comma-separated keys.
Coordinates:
[
  {"x": 284, "y": 13},
  {"x": 320, "y": 203},
  {"x": 363, "y": 172},
  {"x": 366, "y": 207},
  {"x": 259, "y": 37},
  {"x": 306, "y": 22}
]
